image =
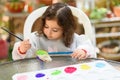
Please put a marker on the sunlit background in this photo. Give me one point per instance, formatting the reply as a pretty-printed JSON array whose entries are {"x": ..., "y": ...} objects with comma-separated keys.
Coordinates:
[{"x": 104, "y": 16}]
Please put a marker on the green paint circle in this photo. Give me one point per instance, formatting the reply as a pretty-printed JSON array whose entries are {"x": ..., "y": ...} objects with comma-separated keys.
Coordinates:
[{"x": 56, "y": 72}]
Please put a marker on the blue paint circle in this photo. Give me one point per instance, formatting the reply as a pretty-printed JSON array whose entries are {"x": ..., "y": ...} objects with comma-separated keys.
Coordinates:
[
  {"x": 100, "y": 65},
  {"x": 39, "y": 75}
]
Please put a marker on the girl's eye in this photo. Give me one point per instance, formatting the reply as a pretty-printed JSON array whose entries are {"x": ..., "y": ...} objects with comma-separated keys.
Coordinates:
[
  {"x": 46, "y": 26},
  {"x": 55, "y": 30}
]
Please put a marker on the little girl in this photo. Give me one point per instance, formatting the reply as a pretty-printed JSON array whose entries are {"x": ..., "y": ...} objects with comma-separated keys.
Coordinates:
[{"x": 56, "y": 33}]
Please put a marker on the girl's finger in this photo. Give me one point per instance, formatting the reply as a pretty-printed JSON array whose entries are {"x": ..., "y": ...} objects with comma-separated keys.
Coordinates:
[{"x": 82, "y": 56}]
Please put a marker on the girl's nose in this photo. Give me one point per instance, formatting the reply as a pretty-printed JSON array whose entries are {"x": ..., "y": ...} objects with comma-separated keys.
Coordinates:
[{"x": 49, "y": 32}]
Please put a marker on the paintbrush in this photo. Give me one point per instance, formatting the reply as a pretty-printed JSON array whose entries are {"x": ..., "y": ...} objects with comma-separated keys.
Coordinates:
[
  {"x": 43, "y": 55},
  {"x": 11, "y": 33}
]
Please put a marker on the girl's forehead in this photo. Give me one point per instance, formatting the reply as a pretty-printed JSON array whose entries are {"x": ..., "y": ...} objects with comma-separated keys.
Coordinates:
[{"x": 52, "y": 23}]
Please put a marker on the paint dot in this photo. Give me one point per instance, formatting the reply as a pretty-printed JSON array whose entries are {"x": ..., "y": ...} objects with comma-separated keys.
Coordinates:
[
  {"x": 70, "y": 69},
  {"x": 100, "y": 65},
  {"x": 85, "y": 67},
  {"x": 56, "y": 72},
  {"x": 22, "y": 77},
  {"x": 39, "y": 75}
]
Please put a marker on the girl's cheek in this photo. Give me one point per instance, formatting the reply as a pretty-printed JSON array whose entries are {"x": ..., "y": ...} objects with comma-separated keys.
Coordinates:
[{"x": 44, "y": 31}]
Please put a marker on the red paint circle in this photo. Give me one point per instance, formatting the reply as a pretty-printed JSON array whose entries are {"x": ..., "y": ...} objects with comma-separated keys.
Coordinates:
[{"x": 70, "y": 69}]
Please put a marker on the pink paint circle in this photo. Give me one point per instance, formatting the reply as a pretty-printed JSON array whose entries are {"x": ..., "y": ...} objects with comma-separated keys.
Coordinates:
[
  {"x": 22, "y": 77},
  {"x": 70, "y": 69}
]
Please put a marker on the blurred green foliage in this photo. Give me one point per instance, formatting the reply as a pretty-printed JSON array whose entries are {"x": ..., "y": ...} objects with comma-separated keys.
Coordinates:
[
  {"x": 115, "y": 2},
  {"x": 98, "y": 13}
]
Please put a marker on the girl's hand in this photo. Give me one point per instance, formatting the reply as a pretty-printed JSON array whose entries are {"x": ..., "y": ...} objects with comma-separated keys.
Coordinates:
[
  {"x": 24, "y": 46},
  {"x": 79, "y": 54}
]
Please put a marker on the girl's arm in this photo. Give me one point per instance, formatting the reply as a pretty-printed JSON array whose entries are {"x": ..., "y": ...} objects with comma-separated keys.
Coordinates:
[
  {"x": 84, "y": 48},
  {"x": 16, "y": 55},
  {"x": 23, "y": 49}
]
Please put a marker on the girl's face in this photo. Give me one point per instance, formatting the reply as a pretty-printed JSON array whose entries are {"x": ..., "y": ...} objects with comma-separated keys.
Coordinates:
[{"x": 52, "y": 30}]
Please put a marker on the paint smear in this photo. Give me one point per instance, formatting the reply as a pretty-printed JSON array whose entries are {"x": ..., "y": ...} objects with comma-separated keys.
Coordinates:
[
  {"x": 70, "y": 69},
  {"x": 100, "y": 65},
  {"x": 85, "y": 67},
  {"x": 56, "y": 72},
  {"x": 41, "y": 52},
  {"x": 22, "y": 77},
  {"x": 39, "y": 75}
]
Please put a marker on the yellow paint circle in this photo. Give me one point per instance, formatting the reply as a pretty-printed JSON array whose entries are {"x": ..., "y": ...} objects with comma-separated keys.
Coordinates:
[{"x": 85, "y": 67}]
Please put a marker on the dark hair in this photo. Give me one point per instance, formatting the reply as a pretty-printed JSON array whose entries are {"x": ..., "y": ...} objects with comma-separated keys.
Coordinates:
[{"x": 65, "y": 19}]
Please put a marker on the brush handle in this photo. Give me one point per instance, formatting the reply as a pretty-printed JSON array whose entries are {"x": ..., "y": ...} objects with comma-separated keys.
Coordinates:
[
  {"x": 60, "y": 52},
  {"x": 11, "y": 33}
]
